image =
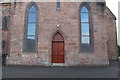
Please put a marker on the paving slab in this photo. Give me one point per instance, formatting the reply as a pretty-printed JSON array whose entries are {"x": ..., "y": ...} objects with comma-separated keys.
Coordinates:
[{"x": 110, "y": 71}]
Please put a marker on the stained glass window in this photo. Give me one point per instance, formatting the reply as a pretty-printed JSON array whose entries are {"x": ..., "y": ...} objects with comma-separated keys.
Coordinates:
[
  {"x": 31, "y": 23},
  {"x": 85, "y": 37},
  {"x": 4, "y": 23},
  {"x": 58, "y": 4}
]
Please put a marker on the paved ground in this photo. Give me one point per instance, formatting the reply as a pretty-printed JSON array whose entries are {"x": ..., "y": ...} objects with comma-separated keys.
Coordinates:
[{"x": 60, "y": 72}]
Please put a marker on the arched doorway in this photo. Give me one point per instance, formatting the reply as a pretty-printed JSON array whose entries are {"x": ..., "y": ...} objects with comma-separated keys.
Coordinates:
[{"x": 58, "y": 48}]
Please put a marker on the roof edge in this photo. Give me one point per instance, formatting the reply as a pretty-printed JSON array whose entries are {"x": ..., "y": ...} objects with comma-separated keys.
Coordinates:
[{"x": 112, "y": 13}]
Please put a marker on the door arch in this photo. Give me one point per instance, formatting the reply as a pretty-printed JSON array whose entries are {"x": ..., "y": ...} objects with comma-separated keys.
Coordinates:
[{"x": 58, "y": 48}]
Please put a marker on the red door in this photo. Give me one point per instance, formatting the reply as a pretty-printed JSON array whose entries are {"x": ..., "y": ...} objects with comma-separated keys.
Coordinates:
[{"x": 58, "y": 49}]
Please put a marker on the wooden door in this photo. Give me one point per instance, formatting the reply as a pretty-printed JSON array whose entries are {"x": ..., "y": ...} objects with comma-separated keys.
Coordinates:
[{"x": 58, "y": 49}]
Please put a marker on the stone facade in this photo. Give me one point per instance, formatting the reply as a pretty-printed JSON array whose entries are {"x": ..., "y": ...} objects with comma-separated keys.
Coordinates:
[
  {"x": 104, "y": 30},
  {"x": 112, "y": 35},
  {"x": 6, "y": 7}
]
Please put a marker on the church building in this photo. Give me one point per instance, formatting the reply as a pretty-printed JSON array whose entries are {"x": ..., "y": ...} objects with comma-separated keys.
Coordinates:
[{"x": 58, "y": 33}]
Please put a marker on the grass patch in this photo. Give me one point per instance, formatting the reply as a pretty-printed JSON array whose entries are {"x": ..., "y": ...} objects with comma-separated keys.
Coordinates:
[{"x": 119, "y": 57}]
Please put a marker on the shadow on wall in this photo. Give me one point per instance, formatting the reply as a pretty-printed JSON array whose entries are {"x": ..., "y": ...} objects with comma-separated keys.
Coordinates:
[
  {"x": 4, "y": 59},
  {"x": 119, "y": 52}
]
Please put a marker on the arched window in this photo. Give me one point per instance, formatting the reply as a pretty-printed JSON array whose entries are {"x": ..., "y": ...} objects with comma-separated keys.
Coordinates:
[
  {"x": 3, "y": 44},
  {"x": 30, "y": 28},
  {"x": 58, "y": 4},
  {"x": 4, "y": 23},
  {"x": 85, "y": 37},
  {"x": 31, "y": 23},
  {"x": 86, "y": 28}
]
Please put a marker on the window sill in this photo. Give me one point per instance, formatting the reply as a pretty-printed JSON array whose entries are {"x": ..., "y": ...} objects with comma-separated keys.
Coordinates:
[
  {"x": 57, "y": 9},
  {"x": 4, "y": 29},
  {"x": 28, "y": 52},
  {"x": 86, "y": 52}
]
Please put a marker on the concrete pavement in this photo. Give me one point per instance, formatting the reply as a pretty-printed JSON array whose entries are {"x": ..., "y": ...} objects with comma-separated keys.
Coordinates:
[{"x": 61, "y": 72}]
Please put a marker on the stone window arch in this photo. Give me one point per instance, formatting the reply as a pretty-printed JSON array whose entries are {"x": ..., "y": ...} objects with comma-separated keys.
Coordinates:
[
  {"x": 30, "y": 28},
  {"x": 86, "y": 28}
]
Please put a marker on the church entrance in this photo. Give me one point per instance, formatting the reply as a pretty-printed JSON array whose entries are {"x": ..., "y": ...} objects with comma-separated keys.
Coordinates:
[{"x": 58, "y": 48}]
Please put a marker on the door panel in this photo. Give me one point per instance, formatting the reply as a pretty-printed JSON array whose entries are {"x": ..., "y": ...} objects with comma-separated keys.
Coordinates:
[{"x": 57, "y": 52}]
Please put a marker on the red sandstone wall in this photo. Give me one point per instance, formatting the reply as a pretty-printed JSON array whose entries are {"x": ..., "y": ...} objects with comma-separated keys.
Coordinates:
[
  {"x": 6, "y": 7},
  {"x": 112, "y": 35},
  {"x": 68, "y": 18}
]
